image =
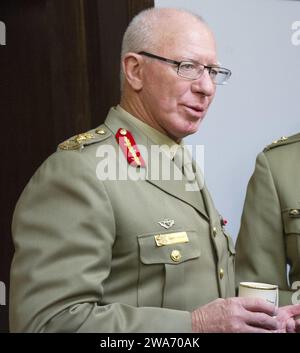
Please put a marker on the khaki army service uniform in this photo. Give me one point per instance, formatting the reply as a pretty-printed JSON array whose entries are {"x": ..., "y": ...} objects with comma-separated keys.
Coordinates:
[
  {"x": 269, "y": 236},
  {"x": 97, "y": 255}
]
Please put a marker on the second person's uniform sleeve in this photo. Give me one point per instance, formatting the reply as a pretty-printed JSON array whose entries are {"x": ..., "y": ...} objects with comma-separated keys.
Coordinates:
[{"x": 260, "y": 245}]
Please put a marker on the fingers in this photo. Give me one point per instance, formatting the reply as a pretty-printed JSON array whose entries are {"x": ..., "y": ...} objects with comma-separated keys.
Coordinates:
[
  {"x": 297, "y": 326},
  {"x": 291, "y": 310},
  {"x": 261, "y": 320},
  {"x": 258, "y": 305},
  {"x": 290, "y": 326},
  {"x": 251, "y": 329}
]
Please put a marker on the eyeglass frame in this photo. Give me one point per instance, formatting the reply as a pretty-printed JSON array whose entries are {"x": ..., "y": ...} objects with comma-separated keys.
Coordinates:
[{"x": 178, "y": 63}]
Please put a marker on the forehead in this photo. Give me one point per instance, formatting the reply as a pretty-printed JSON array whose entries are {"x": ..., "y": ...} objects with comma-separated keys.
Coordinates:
[{"x": 193, "y": 41}]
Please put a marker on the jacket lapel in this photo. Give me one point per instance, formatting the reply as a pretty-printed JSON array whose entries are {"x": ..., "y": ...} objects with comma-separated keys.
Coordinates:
[{"x": 161, "y": 165}]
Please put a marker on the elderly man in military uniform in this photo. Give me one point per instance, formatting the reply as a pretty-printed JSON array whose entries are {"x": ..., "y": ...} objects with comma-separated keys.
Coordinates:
[
  {"x": 97, "y": 254},
  {"x": 269, "y": 238}
]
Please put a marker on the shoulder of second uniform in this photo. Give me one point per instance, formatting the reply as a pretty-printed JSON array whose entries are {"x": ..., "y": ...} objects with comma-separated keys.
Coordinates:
[
  {"x": 283, "y": 141},
  {"x": 82, "y": 141}
]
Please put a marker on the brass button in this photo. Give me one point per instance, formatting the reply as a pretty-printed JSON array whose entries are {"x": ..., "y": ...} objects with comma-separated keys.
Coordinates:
[
  {"x": 221, "y": 273},
  {"x": 100, "y": 131},
  {"x": 214, "y": 231},
  {"x": 123, "y": 132},
  {"x": 283, "y": 138},
  {"x": 175, "y": 255},
  {"x": 294, "y": 212}
]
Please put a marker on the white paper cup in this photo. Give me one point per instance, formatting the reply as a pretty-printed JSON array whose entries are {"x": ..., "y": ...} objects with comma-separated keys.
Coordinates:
[{"x": 266, "y": 291}]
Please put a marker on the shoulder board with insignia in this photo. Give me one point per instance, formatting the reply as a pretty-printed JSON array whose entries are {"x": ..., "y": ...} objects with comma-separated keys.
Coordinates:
[
  {"x": 283, "y": 141},
  {"x": 79, "y": 141}
]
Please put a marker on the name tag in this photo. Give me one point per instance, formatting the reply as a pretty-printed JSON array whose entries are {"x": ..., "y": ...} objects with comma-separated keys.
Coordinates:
[{"x": 171, "y": 238}]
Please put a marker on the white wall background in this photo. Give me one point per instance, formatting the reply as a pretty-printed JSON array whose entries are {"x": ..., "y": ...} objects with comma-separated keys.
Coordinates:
[{"x": 262, "y": 100}]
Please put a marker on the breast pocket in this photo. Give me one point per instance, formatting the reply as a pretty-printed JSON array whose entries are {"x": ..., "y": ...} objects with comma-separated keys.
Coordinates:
[{"x": 164, "y": 260}]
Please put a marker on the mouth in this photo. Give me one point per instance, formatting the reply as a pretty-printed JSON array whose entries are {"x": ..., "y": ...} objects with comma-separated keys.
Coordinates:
[{"x": 195, "y": 109}]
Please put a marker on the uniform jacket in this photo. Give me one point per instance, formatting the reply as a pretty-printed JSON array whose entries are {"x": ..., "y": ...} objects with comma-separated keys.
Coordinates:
[
  {"x": 269, "y": 236},
  {"x": 86, "y": 257}
]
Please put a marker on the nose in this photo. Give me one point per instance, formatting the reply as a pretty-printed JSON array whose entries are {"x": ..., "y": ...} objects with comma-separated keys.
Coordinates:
[{"x": 204, "y": 85}]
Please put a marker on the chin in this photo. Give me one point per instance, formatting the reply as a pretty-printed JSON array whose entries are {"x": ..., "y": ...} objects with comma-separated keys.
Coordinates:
[
  {"x": 184, "y": 129},
  {"x": 178, "y": 135},
  {"x": 190, "y": 132},
  {"x": 193, "y": 128}
]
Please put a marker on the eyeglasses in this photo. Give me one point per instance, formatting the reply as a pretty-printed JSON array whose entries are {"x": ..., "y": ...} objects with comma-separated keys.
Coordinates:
[{"x": 193, "y": 70}]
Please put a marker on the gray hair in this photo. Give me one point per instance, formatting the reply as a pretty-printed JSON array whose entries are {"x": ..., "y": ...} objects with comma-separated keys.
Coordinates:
[{"x": 140, "y": 34}]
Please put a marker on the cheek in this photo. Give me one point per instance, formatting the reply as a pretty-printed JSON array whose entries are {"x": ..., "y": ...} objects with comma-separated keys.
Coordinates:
[
  {"x": 173, "y": 94},
  {"x": 165, "y": 91}
]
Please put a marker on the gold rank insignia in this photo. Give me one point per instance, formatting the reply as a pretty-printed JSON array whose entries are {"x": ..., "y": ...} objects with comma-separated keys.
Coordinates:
[
  {"x": 76, "y": 142},
  {"x": 129, "y": 148},
  {"x": 282, "y": 139},
  {"x": 69, "y": 145},
  {"x": 83, "y": 137}
]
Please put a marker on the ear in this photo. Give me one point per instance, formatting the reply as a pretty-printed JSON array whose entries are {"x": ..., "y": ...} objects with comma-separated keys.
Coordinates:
[{"x": 133, "y": 70}]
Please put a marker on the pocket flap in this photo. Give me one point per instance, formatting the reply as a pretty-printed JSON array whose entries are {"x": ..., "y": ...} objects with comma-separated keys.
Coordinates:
[
  {"x": 150, "y": 253},
  {"x": 291, "y": 220}
]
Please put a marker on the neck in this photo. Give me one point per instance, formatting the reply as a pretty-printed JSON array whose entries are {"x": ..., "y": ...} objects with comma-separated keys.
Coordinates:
[{"x": 136, "y": 108}]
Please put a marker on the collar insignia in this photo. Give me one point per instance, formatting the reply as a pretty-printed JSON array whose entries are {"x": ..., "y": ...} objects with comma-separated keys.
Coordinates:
[{"x": 129, "y": 148}]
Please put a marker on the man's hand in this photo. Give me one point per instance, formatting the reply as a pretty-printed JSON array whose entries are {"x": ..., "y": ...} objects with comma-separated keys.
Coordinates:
[
  {"x": 286, "y": 318},
  {"x": 238, "y": 315}
]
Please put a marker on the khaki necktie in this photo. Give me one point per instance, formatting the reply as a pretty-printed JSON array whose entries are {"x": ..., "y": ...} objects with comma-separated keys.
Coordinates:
[{"x": 192, "y": 173}]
